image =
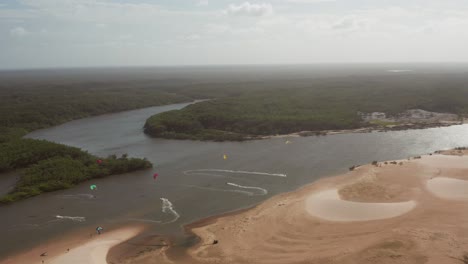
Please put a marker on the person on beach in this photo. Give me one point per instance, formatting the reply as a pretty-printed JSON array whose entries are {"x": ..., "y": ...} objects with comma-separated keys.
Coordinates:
[{"x": 99, "y": 229}]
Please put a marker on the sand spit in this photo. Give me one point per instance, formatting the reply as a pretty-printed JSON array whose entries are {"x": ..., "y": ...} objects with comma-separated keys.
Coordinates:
[
  {"x": 329, "y": 206},
  {"x": 77, "y": 248},
  {"x": 405, "y": 224}
]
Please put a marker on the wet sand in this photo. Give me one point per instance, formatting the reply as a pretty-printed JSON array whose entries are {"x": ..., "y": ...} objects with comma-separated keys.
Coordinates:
[
  {"x": 300, "y": 227},
  {"x": 77, "y": 248},
  {"x": 389, "y": 213}
]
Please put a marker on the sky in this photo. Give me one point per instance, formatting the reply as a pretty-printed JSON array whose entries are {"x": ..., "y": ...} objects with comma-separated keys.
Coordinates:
[{"x": 89, "y": 33}]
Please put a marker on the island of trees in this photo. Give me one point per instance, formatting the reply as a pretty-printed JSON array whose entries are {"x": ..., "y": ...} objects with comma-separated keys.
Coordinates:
[{"x": 46, "y": 166}]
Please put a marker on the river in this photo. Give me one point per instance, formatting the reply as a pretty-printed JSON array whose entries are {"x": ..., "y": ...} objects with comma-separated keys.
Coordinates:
[{"x": 195, "y": 181}]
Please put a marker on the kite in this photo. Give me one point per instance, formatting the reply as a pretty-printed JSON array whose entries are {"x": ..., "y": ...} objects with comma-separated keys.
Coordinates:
[
  {"x": 155, "y": 176},
  {"x": 93, "y": 187},
  {"x": 225, "y": 157},
  {"x": 99, "y": 161}
]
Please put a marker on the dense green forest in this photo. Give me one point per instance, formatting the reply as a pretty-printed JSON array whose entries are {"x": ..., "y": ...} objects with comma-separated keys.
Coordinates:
[
  {"x": 39, "y": 107},
  {"x": 45, "y": 166},
  {"x": 51, "y": 166},
  {"x": 317, "y": 105}
]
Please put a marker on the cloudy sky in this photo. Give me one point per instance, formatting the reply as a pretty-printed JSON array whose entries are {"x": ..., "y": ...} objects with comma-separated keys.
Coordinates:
[{"x": 71, "y": 33}]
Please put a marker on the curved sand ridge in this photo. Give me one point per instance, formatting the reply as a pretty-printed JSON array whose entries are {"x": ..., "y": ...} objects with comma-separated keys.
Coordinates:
[
  {"x": 329, "y": 206},
  {"x": 448, "y": 188}
]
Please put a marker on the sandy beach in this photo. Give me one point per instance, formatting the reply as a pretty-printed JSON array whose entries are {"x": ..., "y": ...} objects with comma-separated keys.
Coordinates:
[
  {"x": 408, "y": 212},
  {"x": 405, "y": 211},
  {"x": 77, "y": 248}
]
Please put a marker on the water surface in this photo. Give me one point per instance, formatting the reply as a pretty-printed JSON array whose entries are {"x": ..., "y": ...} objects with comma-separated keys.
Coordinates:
[{"x": 195, "y": 181}]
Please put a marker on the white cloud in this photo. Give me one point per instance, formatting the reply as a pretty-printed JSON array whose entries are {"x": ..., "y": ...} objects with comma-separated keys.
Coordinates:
[
  {"x": 202, "y": 3},
  {"x": 191, "y": 37},
  {"x": 19, "y": 32},
  {"x": 99, "y": 11},
  {"x": 248, "y": 9}
]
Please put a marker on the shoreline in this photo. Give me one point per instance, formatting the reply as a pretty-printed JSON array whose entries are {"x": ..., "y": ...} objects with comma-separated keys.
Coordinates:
[
  {"x": 215, "y": 227},
  {"x": 367, "y": 129},
  {"x": 231, "y": 227},
  {"x": 80, "y": 246}
]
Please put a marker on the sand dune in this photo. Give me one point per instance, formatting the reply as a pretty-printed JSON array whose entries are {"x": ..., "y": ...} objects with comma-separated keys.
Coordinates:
[{"x": 329, "y": 206}]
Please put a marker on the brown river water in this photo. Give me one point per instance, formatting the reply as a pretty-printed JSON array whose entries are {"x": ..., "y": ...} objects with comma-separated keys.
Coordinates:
[{"x": 195, "y": 181}]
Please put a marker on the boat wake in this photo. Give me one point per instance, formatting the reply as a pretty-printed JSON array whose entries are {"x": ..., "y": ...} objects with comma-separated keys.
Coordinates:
[
  {"x": 219, "y": 190},
  {"x": 73, "y": 218},
  {"x": 261, "y": 191},
  {"x": 167, "y": 208},
  {"x": 247, "y": 190},
  {"x": 206, "y": 172}
]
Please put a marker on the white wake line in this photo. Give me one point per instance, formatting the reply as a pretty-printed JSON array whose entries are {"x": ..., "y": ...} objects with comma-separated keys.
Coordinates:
[
  {"x": 73, "y": 218},
  {"x": 264, "y": 191},
  {"x": 220, "y": 190},
  {"x": 167, "y": 206},
  {"x": 237, "y": 172}
]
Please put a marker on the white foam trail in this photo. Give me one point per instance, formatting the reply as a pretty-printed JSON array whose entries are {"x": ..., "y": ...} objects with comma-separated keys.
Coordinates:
[
  {"x": 263, "y": 191},
  {"x": 220, "y": 190},
  {"x": 236, "y": 171},
  {"x": 168, "y": 207},
  {"x": 73, "y": 218}
]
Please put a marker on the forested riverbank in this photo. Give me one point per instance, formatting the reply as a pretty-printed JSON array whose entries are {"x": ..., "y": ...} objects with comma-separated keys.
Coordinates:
[
  {"x": 46, "y": 166},
  {"x": 327, "y": 104}
]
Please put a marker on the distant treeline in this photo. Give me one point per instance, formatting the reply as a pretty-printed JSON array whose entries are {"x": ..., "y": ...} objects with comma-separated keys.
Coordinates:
[
  {"x": 318, "y": 105},
  {"x": 41, "y": 107}
]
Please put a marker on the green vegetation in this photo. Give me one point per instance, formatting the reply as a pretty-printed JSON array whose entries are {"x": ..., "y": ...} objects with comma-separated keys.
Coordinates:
[
  {"x": 52, "y": 166},
  {"x": 37, "y": 107},
  {"x": 322, "y": 104},
  {"x": 45, "y": 166},
  {"x": 383, "y": 123}
]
